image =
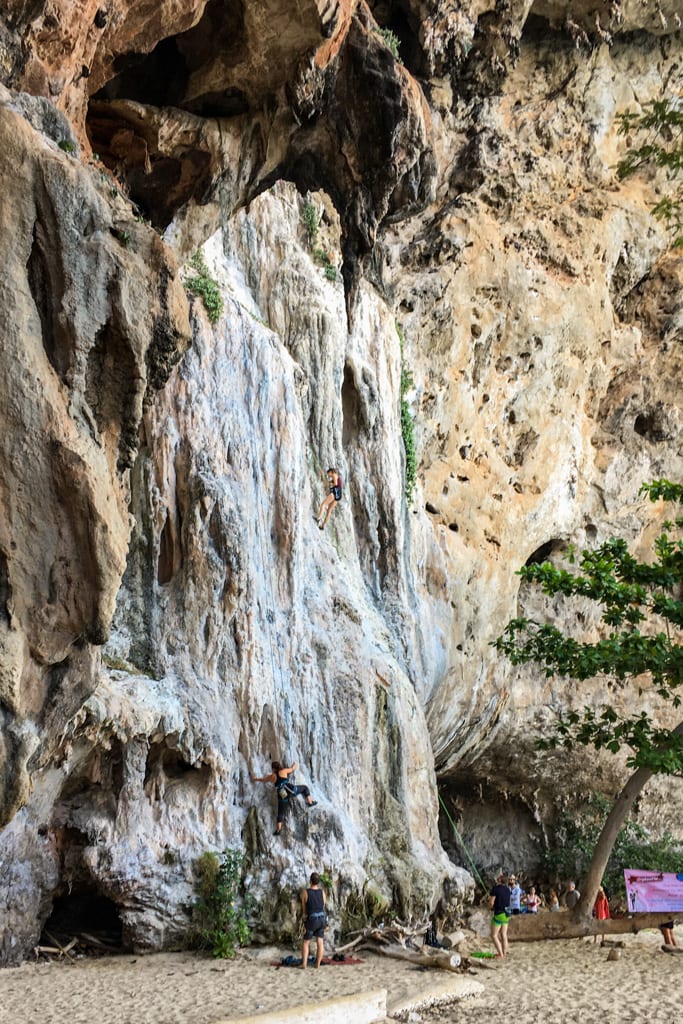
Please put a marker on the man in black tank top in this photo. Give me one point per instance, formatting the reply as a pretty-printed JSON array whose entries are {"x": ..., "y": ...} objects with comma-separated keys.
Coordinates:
[{"x": 313, "y": 905}]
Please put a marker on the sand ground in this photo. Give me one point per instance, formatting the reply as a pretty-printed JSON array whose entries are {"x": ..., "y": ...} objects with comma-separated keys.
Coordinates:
[
  {"x": 553, "y": 982},
  {"x": 573, "y": 982}
]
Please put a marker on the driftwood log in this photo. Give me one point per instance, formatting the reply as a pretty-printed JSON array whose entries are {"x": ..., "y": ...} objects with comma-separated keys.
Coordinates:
[
  {"x": 392, "y": 934},
  {"x": 444, "y": 959},
  {"x": 546, "y": 925}
]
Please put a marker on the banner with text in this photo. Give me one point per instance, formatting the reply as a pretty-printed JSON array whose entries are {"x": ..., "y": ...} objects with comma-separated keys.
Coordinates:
[{"x": 653, "y": 891}]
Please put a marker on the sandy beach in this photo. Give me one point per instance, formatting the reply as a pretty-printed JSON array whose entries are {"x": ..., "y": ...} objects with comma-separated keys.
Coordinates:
[{"x": 553, "y": 982}]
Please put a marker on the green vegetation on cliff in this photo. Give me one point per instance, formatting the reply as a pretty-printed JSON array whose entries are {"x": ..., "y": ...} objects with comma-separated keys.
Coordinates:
[
  {"x": 642, "y": 612},
  {"x": 659, "y": 130}
]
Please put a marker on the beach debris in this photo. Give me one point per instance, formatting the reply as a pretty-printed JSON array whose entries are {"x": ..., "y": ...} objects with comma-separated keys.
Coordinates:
[
  {"x": 80, "y": 945},
  {"x": 57, "y": 949},
  {"x": 425, "y": 957},
  {"x": 403, "y": 943},
  {"x": 614, "y": 954},
  {"x": 395, "y": 933}
]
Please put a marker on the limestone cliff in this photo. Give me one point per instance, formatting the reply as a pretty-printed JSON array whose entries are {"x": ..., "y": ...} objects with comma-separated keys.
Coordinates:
[{"x": 171, "y": 616}]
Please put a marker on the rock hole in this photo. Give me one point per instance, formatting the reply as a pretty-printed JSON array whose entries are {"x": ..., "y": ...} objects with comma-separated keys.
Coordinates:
[
  {"x": 5, "y": 592},
  {"x": 110, "y": 369},
  {"x": 170, "y": 75},
  {"x": 431, "y": 509},
  {"x": 45, "y": 280},
  {"x": 165, "y": 572},
  {"x": 166, "y": 766},
  {"x": 651, "y": 425},
  {"x": 98, "y": 782},
  {"x": 84, "y": 910},
  {"x": 543, "y": 553},
  {"x": 351, "y": 408},
  {"x": 453, "y": 527}
]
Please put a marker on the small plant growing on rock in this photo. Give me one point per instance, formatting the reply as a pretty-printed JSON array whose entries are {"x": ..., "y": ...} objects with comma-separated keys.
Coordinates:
[
  {"x": 364, "y": 908},
  {"x": 329, "y": 269},
  {"x": 203, "y": 285},
  {"x": 310, "y": 218},
  {"x": 392, "y": 42},
  {"x": 67, "y": 146},
  {"x": 407, "y": 423},
  {"x": 219, "y": 914}
]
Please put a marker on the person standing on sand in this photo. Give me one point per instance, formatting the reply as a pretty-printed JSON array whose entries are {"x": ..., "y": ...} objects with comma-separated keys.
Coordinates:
[
  {"x": 500, "y": 905},
  {"x": 572, "y": 896},
  {"x": 313, "y": 906},
  {"x": 667, "y": 930},
  {"x": 601, "y": 910}
]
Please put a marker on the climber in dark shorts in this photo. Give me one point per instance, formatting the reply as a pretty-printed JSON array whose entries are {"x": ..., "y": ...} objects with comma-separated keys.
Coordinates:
[
  {"x": 313, "y": 906},
  {"x": 334, "y": 495},
  {"x": 285, "y": 790}
]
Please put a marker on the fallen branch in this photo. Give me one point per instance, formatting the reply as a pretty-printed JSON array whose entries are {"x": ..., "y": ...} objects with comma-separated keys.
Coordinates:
[
  {"x": 391, "y": 935},
  {"x": 86, "y": 940},
  {"x": 443, "y": 959},
  {"x": 64, "y": 950}
]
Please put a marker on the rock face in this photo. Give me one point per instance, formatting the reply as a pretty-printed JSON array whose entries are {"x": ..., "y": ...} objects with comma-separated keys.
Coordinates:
[{"x": 160, "y": 476}]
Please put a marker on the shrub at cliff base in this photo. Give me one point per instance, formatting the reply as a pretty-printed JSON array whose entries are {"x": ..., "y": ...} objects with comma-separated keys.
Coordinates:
[{"x": 219, "y": 920}]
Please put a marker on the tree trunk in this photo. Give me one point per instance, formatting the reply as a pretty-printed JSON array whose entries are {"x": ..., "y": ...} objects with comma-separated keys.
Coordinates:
[
  {"x": 562, "y": 925},
  {"x": 605, "y": 844}
]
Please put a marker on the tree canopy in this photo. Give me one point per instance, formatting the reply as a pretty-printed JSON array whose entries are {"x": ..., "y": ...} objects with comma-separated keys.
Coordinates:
[{"x": 641, "y": 607}]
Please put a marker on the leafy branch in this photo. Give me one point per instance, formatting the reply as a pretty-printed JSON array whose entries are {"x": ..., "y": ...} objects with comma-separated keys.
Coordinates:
[{"x": 661, "y": 124}]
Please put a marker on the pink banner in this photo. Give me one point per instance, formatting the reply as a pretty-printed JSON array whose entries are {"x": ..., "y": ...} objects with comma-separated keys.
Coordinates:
[{"x": 653, "y": 891}]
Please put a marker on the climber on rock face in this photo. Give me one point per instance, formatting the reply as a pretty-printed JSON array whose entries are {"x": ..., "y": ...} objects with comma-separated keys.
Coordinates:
[
  {"x": 285, "y": 790},
  {"x": 335, "y": 493}
]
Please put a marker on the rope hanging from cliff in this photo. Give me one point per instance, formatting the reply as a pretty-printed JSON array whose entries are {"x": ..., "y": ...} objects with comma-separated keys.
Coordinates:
[
  {"x": 258, "y": 399},
  {"x": 460, "y": 839}
]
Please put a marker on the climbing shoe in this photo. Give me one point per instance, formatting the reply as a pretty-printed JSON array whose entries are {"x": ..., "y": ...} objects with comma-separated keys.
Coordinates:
[
  {"x": 312, "y": 803},
  {"x": 277, "y": 832}
]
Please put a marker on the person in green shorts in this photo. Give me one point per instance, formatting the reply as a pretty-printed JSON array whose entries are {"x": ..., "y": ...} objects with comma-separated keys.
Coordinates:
[{"x": 500, "y": 905}]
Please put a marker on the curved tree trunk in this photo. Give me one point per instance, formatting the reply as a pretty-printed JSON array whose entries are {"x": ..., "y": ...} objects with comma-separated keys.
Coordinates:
[{"x": 601, "y": 854}]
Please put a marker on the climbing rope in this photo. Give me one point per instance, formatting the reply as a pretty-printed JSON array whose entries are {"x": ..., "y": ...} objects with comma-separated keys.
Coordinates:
[
  {"x": 464, "y": 847},
  {"x": 254, "y": 400}
]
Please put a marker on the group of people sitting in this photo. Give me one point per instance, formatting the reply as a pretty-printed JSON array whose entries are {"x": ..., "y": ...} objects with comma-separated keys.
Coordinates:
[
  {"x": 530, "y": 901},
  {"x": 507, "y": 898}
]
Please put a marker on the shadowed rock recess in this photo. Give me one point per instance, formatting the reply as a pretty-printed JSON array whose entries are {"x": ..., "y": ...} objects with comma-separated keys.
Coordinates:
[{"x": 408, "y": 191}]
